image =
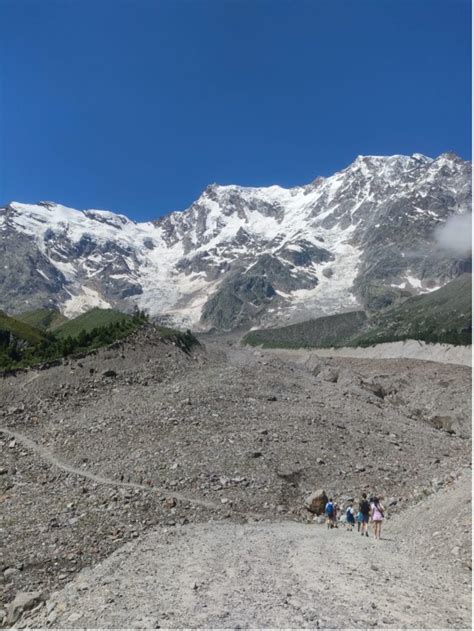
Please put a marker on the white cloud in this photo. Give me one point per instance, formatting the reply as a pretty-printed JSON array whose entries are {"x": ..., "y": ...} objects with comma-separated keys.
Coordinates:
[{"x": 456, "y": 234}]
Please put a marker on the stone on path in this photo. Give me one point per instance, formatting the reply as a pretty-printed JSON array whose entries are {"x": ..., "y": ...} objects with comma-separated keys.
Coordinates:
[{"x": 316, "y": 502}]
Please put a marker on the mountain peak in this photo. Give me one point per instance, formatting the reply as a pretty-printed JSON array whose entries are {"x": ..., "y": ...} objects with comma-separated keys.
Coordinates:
[
  {"x": 419, "y": 157},
  {"x": 450, "y": 156},
  {"x": 245, "y": 255}
]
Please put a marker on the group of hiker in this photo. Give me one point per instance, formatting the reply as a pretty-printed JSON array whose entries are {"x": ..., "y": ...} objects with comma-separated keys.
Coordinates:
[{"x": 369, "y": 510}]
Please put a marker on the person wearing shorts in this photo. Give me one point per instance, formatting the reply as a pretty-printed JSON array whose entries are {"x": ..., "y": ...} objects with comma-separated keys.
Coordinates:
[
  {"x": 330, "y": 511},
  {"x": 377, "y": 515}
]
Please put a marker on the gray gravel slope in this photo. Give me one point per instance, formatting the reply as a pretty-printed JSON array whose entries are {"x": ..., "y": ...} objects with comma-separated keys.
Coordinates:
[
  {"x": 285, "y": 574},
  {"x": 171, "y": 440}
]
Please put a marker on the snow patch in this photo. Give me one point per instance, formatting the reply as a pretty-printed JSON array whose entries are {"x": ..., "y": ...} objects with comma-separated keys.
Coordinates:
[{"x": 88, "y": 298}]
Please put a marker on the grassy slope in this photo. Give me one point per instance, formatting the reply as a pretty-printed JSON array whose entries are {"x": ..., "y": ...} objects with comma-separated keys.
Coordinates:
[
  {"x": 20, "y": 330},
  {"x": 444, "y": 315},
  {"x": 44, "y": 319},
  {"x": 323, "y": 332},
  {"x": 90, "y": 320}
]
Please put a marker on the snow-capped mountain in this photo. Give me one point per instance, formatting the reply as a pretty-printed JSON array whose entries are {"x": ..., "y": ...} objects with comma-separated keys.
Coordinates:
[{"x": 240, "y": 255}]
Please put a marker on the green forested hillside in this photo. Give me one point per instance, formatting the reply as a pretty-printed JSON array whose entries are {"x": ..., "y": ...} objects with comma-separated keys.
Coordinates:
[
  {"x": 22, "y": 345},
  {"x": 444, "y": 315},
  {"x": 323, "y": 332},
  {"x": 91, "y": 320}
]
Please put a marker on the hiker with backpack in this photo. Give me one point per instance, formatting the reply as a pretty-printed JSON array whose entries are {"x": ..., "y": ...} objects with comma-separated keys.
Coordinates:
[
  {"x": 350, "y": 518},
  {"x": 330, "y": 510},
  {"x": 377, "y": 515},
  {"x": 364, "y": 509}
]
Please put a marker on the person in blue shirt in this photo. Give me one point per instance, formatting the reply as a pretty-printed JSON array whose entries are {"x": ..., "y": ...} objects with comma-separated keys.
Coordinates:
[
  {"x": 350, "y": 517},
  {"x": 330, "y": 513}
]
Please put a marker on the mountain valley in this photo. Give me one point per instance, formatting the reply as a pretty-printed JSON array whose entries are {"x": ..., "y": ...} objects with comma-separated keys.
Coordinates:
[{"x": 155, "y": 477}]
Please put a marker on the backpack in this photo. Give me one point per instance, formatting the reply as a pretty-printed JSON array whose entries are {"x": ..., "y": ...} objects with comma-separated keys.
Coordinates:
[
  {"x": 349, "y": 514},
  {"x": 364, "y": 507},
  {"x": 329, "y": 509}
]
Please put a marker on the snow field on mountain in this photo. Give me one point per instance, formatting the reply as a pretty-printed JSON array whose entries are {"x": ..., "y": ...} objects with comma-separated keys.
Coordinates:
[{"x": 173, "y": 266}]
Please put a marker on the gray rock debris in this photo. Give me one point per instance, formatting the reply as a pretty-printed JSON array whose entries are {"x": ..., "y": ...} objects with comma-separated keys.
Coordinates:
[{"x": 23, "y": 601}]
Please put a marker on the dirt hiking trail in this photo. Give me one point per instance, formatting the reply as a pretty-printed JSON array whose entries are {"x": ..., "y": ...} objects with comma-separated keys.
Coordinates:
[
  {"x": 47, "y": 455},
  {"x": 271, "y": 574}
]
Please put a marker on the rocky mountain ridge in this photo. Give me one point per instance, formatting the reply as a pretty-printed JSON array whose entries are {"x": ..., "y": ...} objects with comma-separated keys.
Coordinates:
[{"x": 243, "y": 255}]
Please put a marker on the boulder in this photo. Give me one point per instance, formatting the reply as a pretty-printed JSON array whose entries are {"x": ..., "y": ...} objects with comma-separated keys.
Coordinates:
[
  {"x": 16, "y": 409},
  {"x": 346, "y": 500},
  {"x": 374, "y": 387},
  {"x": 451, "y": 425},
  {"x": 314, "y": 365},
  {"x": 293, "y": 476},
  {"x": 23, "y": 601},
  {"x": 329, "y": 374},
  {"x": 52, "y": 617},
  {"x": 348, "y": 378},
  {"x": 316, "y": 502}
]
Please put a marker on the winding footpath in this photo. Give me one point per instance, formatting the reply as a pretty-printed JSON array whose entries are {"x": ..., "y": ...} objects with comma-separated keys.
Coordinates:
[
  {"x": 266, "y": 574},
  {"x": 55, "y": 461}
]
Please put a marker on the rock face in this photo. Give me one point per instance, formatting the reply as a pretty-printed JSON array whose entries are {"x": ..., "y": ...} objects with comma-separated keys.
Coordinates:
[
  {"x": 316, "y": 502},
  {"x": 238, "y": 256}
]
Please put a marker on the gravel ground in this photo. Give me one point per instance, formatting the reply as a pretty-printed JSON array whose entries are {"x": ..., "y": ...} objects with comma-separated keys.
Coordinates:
[
  {"x": 410, "y": 349},
  {"x": 143, "y": 436},
  {"x": 278, "y": 574}
]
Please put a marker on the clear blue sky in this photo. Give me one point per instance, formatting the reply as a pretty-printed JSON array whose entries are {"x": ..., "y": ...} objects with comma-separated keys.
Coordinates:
[{"x": 135, "y": 106}]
